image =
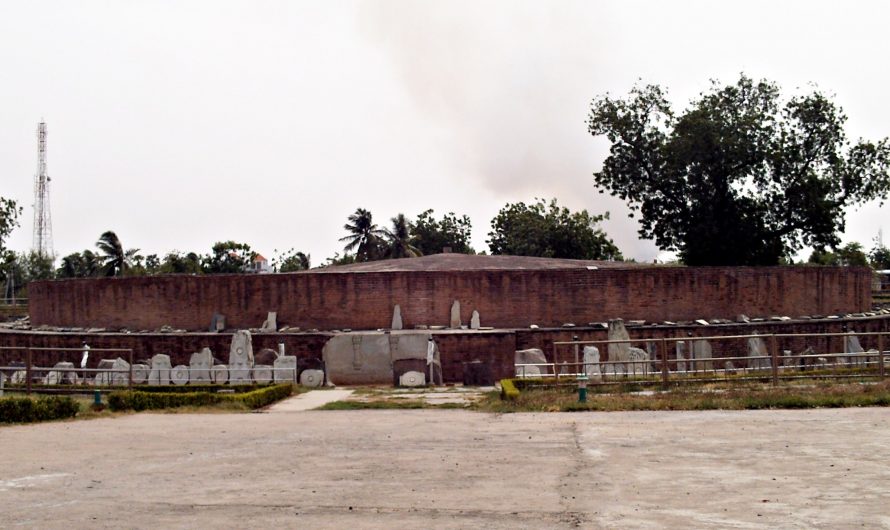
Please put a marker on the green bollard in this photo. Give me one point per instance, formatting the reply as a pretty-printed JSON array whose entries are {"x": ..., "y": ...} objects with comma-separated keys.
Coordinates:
[
  {"x": 582, "y": 388},
  {"x": 97, "y": 398}
]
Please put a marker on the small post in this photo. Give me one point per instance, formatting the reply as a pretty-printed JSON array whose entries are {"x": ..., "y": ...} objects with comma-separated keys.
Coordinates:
[
  {"x": 130, "y": 377},
  {"x": 577, "y": 362},
  {"x": 664, "y": 364},
  {"x": 97, "y": 398},
  {"x": 774, "y": 354},
  {"x": 582, "y": 388},
  {"x": 28, "y": 374},
  {"x": 881, "y": 355}
]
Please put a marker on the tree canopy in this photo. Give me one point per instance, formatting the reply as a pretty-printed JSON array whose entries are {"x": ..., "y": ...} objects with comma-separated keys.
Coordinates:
[
  {"x": 741, "y": 177},
  {"x": 228, "y": 257},
  {"x": 430, "y": 236},
  {"x": 9, "y": 214},
  {"x": 548, "y": 230},
  {"x": 364, "y": 238}
]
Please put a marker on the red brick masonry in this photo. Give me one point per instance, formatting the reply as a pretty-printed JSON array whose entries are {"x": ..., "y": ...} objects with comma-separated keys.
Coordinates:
[{"x": 508, "y": 293}]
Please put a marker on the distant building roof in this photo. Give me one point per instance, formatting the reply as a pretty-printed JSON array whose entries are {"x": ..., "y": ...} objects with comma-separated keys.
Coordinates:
[
  {"x": 259, "y": 257},
  {"x": 463, "y": 262}
]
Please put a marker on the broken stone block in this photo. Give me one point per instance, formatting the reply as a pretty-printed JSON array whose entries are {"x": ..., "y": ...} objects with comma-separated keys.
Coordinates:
[
  {"x": 312, "y": 378},
  {"x": 757, "y": 348},
  {"x": 200, "y": 364},
  {"x": 474, "y": 320},
  {"x": 702, "y": 355},
  {"x": 62, "y": 374},
  {"x": 742, "y": 319},
  {"x": 680, "y": 349},
  {"x": 179, "y": 374},
  {"x": 219, "y": 374},
  {"x": 531, "y": 356},
  {"x": 412, "y": 379},
  {"x": 140, "y": 373},
  {"x": 262, "y": 373},
  {"x": 160, "y": 370},
  {"x": 455, "y": 315},
  {"x": 271, "y": 322},
  {"x": 240, "y": 358},
  {"x": 702, "y": 322},
  {"x": 638, "y": 364},
  {"x": 619, "y": 350},
  {"x": 729, "y": 367},
  {"x": 285, "y": 368},
  {"x": 396, "y": 317},
  {"x": 592, "y": 363}
]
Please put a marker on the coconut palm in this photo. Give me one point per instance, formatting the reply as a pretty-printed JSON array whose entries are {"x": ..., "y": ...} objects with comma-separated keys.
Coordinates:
[
  {"x": 116, "y": 261},
  {"x": 364, "y": 236},
  {"x": 398, "y": 239}
]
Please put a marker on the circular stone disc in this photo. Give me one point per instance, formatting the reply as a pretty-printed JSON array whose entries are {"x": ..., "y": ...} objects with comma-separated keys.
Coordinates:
[
  {"x": 220, "y": 374},
  {"x": 179, "y": 375}
]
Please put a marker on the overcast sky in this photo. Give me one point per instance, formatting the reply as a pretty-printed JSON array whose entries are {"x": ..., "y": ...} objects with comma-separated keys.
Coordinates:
[{"x": 178, "y": 124}]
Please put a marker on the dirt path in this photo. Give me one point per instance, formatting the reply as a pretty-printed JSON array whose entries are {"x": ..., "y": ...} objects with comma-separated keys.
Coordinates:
[
  {"x": 310, "y": 400},
  {"x": 451, "y": 469}
]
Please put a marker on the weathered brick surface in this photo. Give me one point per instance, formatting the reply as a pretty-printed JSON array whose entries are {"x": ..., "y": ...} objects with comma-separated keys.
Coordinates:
[{"x": 504, "y": 298}]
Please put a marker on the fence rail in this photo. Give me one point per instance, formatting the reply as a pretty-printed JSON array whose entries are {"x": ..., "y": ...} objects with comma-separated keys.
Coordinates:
[{"x": 693, "y": 359}]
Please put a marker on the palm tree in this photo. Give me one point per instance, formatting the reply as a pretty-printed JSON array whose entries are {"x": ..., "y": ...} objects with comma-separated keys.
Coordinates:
[
  {"x": 399, "y": 239},
  {"x": 364, "y": 237},
  {"x": 116, "y": 260}
]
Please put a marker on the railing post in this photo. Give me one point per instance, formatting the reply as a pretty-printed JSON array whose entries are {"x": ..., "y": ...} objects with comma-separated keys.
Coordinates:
[
  {"x": 664, "y": 364},
  {"x": 774, "y": 354},
  {"x": 881, "y": 355},
  {"x": 28, "y": 374},
  {"x": 130, "y": 377}
]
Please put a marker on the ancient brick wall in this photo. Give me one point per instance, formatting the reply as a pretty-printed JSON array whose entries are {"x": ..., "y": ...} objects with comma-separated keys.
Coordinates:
[{"x": 504, "y": 298}]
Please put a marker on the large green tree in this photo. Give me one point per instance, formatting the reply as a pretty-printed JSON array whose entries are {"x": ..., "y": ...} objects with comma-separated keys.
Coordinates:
[
  {"x": 9, "y": 214},
  {"x": 80, "y": 265},
  {"x": 430, "y": 235},
  {"x": 115, "y": 260},
  {"x": 742, "y": 176},
  {"x": 399, "y": 242},
  {"x": 228, "y": 257},
  {"x": 548, "y": 230},
  {"x": 364, "y": 238},
  {"x": 291, "y": 261}
]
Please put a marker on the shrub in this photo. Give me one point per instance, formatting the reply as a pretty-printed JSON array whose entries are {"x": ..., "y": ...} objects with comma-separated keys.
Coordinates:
[
  {"x": 141, "y": 400},
  {"x": 27, "y": 410}
]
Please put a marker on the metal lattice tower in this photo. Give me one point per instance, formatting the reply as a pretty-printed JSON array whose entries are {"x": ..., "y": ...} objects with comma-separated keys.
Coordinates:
[{"x": 43, "y": 226}]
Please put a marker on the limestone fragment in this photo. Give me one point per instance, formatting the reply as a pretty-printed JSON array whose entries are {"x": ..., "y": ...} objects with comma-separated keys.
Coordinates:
[
  {"x": 312, "y": 378},
  {"x": 531, "y": 356},
  {"x": 200, "y": 364},
  {"x": 160, "y": 370},
  {"x": 592, "y": 363},
  {"x": 396, "y": 317},
  {"x": 701, "y": 352},
  {"x": 271, "y": 322},
  {"x": 285, "y": 368},
  {"x": 455, "y": 315},
  {"x": 757, "y": 348},
  {"x": 474, "y": 320},
  {"x": 179, "y": 374},
  {"x": 240, "y": 357},
  {"x": 412, "y": 378}
]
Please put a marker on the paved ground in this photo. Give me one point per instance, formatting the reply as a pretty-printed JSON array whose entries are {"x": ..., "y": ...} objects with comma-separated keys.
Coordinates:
[
  {"x": 310, "y": 400},
  {"x": 451, "y": 469}
]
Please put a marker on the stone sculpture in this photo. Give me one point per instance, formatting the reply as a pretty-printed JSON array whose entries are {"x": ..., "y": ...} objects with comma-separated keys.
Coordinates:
[
  {"x": 455, "y": 315},
  {"x": 179, "y": 374},
  {"x": 271, "y": 322},
  {"x": 62, "y": 374},
  {"x": 396, "y": 317},
  {"x": 285, "y": 368},
  {"x": 240, "y": 358},
  {"x": 592, "y": 363},
  {"x": 262, "y": 373},
  {"x": 852, "y": 345},
  {"x": 530, "y": 356},
  {"x": 160, "y": 370},
  {"x": 638, "y": 361},
  {"x": 757, "y": 348},
  {"x": 618, "y": 351},
  {"x": 200, "y": 364},
  {"x": 701, "y": 352},
  {"x": 140, "y": 373},
  {"x": 680, "y": 348},
  {"x": 219, "y": 374},
  {"x": 312, "y": 378},
  {"x": 412, "y": 378},
  {"x": 474, "y": 320}
]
